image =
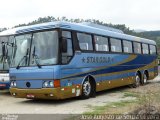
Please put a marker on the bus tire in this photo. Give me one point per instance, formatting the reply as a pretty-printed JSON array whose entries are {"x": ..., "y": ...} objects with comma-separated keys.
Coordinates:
[
  {"x": 137, "y": 81},
  {"x": 145, "y": 78},
  {"x": 88, "y": 89}
]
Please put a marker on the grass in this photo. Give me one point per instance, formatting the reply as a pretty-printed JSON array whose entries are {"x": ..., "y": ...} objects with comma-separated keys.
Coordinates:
[
  {"x": 148, "y": 95},
  {"x": 109, "y": 108},
  {"x": 115, "y": 107},
  {"x": 130, "y": 94},
  {"x": 145, "y": 96}
]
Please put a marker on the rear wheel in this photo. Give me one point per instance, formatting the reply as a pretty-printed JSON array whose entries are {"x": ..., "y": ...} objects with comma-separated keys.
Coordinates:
[
  {"x": 145, "y": 78},
  {"x": 137, "y": 81}
]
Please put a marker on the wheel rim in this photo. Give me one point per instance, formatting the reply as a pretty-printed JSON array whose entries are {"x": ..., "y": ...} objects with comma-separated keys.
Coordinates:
[
  {"x": 145, "y": 78},
  {"x": 137, "y": 80},
  {"x": 86, "y": 88}
]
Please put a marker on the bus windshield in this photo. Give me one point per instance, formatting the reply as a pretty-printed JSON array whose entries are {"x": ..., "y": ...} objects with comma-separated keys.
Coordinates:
[
  {"x": 43, "y": 51},
  {"x": 6, "y": 44}
]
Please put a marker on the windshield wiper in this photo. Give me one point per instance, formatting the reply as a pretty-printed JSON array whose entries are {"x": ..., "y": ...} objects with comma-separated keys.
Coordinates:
[
  {"x": 4, "y": 58},
  {"x": 35, "y": 57},
  {"x": 24, "y": 57},
  {"x": 3, "y": 52}
]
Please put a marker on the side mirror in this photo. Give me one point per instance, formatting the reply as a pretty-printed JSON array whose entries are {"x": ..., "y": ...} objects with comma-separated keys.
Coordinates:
[
  {"x": 3, "y": 49},
  {"x": 64, "y": 45}
]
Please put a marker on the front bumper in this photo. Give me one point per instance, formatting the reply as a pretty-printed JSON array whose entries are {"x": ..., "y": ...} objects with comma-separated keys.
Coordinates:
[
  {"x": 44, "y": 93},
  {"x": 4, "y": 85},
  {"x": 4, "y": 81}
]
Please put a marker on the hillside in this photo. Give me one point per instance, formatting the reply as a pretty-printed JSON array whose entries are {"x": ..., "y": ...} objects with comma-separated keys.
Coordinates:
[{"x": 154, "y": 35}]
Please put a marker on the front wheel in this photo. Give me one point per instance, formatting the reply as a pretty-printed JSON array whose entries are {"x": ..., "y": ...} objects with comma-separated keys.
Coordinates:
[{"x": 87, "y": 89}]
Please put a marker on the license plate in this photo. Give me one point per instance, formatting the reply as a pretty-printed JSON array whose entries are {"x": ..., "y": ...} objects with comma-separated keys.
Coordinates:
[
  {"x": 2, "y": 85},
  {"x": 30, "y": 96}
]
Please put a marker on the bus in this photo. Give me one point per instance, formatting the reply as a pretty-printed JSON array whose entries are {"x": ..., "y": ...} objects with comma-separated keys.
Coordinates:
[
  {"x": 59, "y": 60},
  {"x": 6, "y": 44}
]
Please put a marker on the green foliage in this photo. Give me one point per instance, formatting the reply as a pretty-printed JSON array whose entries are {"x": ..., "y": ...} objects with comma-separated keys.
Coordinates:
[
  {"x": 50, "y": 19},
  {"x": 130, "y": 94},
  {"x": 2, "y": 29},
  {"x": 110, "y": 107},
  {"x": 154, "y": 35}
]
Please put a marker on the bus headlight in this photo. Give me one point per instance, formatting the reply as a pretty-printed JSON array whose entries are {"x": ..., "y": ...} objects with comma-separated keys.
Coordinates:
[
  {"x": 13, "y": 84},
  {"x": 45, "y": 84},
  {"x": 51, "y": 84},
  {"x": 48, "y": 84}
]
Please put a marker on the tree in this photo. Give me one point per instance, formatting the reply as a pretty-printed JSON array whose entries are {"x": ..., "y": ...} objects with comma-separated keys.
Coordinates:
[{"x": 154, "y": 35}]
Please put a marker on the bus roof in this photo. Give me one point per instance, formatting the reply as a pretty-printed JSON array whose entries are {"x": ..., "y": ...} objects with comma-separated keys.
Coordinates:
[{"x": 75, "y": 26}]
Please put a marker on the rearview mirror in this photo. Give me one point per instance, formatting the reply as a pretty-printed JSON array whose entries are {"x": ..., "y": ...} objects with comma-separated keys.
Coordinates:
[
  {"x": 3, "y": 49},
  {"x": 64, "y": 45}
]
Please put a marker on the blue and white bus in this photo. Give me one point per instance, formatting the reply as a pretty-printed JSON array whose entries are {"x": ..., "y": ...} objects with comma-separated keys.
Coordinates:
[
  {"x": 59, "y": 60},
  {"x": 6, "y": 44}
]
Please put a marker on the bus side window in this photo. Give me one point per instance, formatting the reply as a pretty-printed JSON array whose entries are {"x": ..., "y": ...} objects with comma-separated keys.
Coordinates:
[
  {"x": 85, "y": 41},
  {"x": 145, "y": 48},
  {"x": 101, "y": 43},
  {"x": 66, "y": 56},
  {"x": 127, "y": 46},
  {"x": 152, "y": 49},
  {"x": 137, "y": 47},
  {"x": 116, "y": 45}
]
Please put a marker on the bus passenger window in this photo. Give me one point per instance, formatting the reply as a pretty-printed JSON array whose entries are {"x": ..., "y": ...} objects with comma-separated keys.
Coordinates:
[
  {"x": 145, "y": 49},
  {"x": 113, "y": 48},
  {"x": 152, "y": 49},
  {"x": 127, "y": 46},
  {"x": 85, "y": 41},
  {"x": 101, "y": 43},
  {"x": 137, "y": 47},
  {"x": 67, "y": 55},
  {"x": 116, "y": 45},
  {"x": 84, "y": 46}
]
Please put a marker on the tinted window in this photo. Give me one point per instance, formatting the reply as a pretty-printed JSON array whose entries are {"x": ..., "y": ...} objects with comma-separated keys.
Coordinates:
[
  {"x": 152, "y": 49},
  {"x": 85, "y": 41},
  {"x": 67, "y": 36},
  {"x": 66, "y": 56},
  {"x": 127, "y": 46},
  {"x": 116, "y": 45},
  {"x": 101, "y": 43},
  {"x": 137, "y": 48},
  {"x": 145, "y": 48}
]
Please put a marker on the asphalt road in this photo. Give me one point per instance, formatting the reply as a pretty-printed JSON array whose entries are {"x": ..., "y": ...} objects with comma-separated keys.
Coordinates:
[{"x": 11, "y": 105}]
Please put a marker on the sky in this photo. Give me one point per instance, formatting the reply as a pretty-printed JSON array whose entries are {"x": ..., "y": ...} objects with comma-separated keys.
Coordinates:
[{"x": 136, "y": 14}]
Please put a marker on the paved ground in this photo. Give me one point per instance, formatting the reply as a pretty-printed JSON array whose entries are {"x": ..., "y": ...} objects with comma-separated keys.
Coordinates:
[{"x": 11, "y": 105}]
